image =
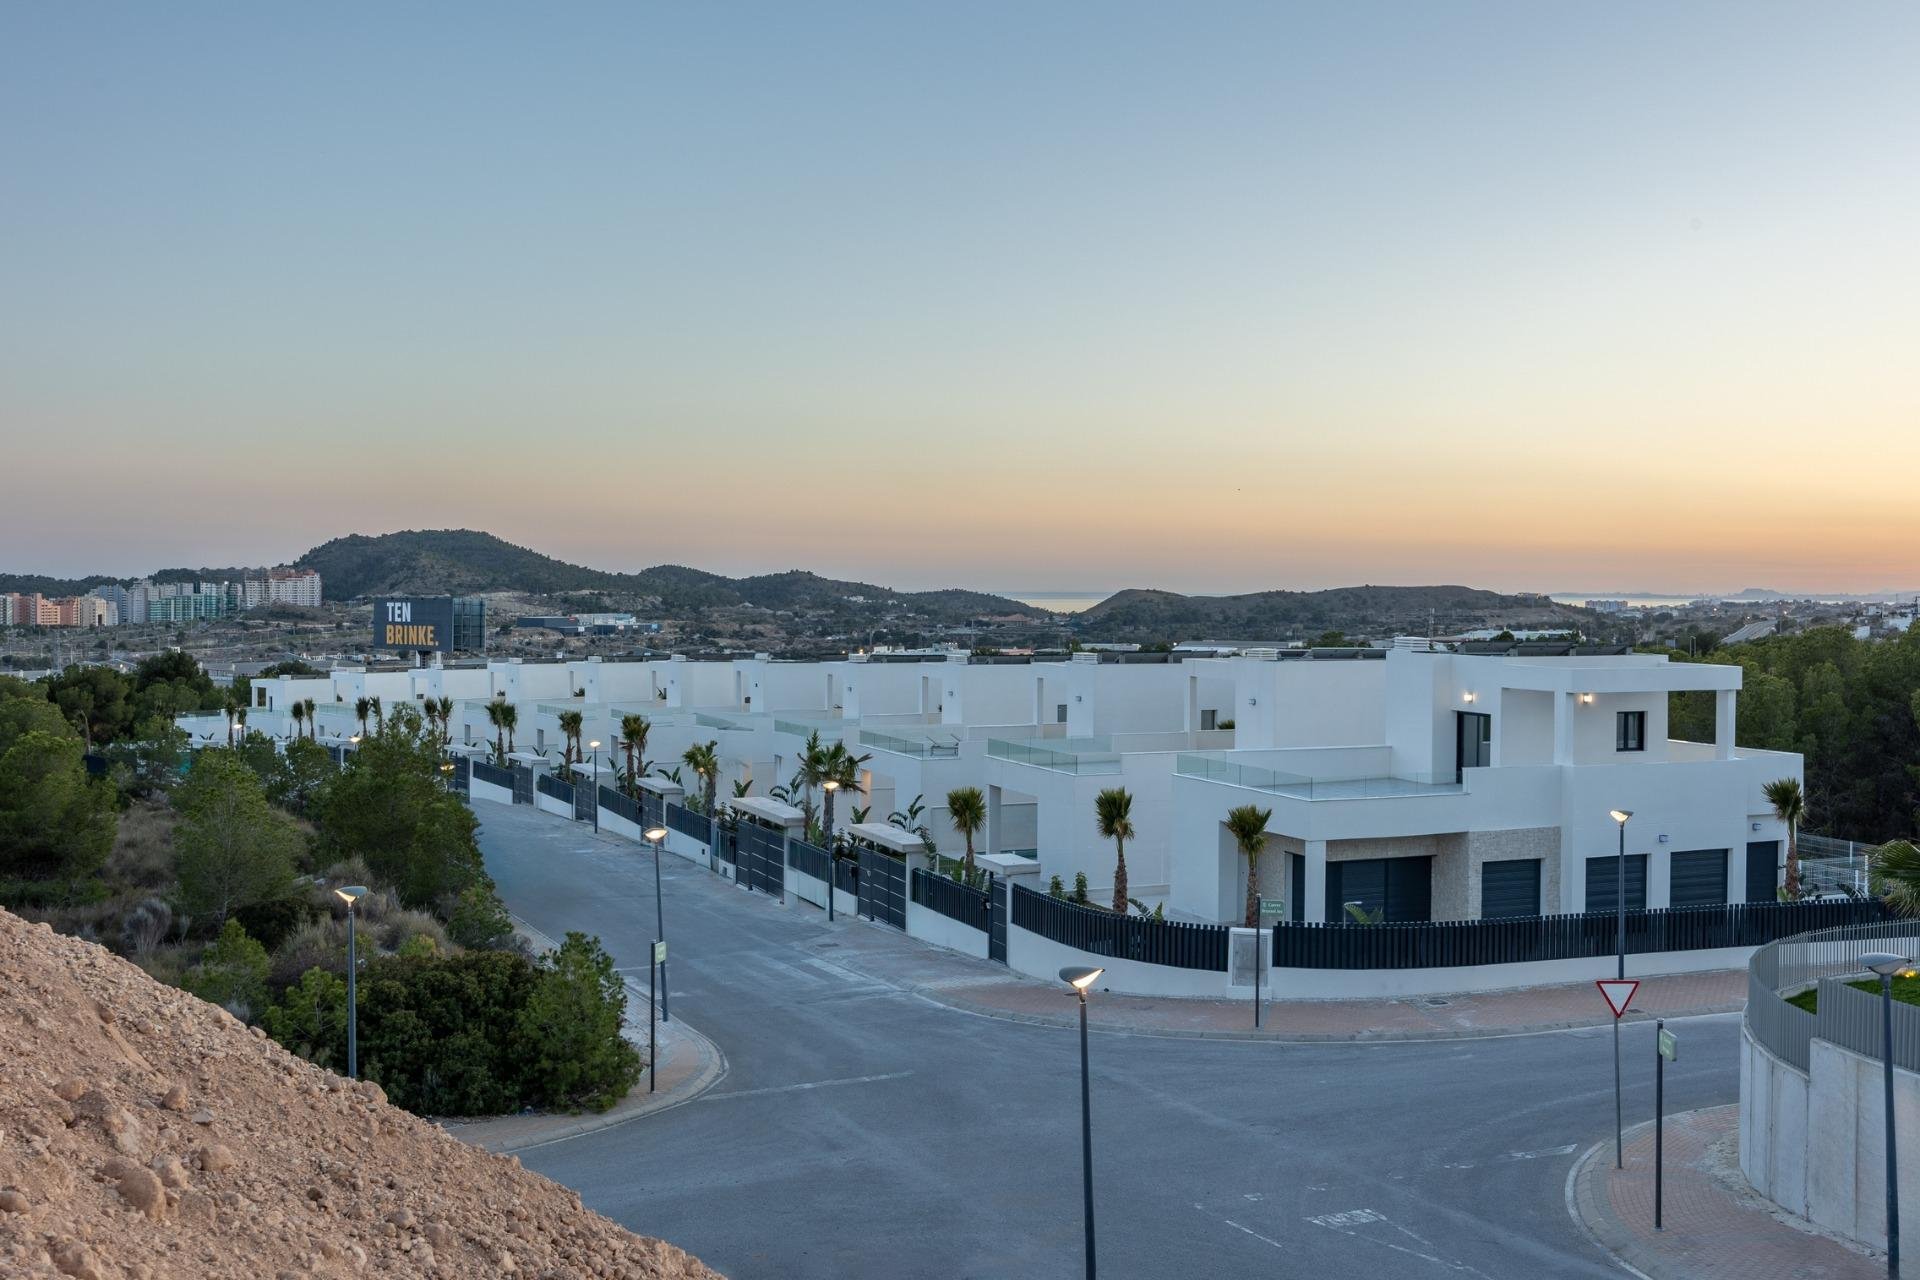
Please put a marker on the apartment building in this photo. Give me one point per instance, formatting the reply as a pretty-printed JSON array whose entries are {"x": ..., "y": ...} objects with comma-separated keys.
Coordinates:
[{"x": 287, "y": 586}]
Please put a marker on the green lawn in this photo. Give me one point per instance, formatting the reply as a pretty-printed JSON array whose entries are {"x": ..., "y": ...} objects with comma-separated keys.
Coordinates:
[{"x": 1905, "y": 990}]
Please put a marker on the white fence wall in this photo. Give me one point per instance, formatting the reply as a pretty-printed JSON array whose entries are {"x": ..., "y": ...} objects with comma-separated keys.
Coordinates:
[{"x": 479, "y": 790}]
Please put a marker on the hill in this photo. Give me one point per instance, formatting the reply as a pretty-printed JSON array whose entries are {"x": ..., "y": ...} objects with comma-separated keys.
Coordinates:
[
  {"x": 153, "y": 1134},
  {"x": 1300, "y": 615}
]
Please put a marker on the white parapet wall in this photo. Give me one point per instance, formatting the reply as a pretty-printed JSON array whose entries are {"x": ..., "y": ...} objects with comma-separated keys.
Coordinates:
[
  {"x": 1367, "y": 984},
  {"x": 615, "y": 824},
  {"x": 547, "y": 804},
  {"x": 478, "y": 790},
  {"x": 1039, "y": 957},
  {"x": 930, "y": 926},
  {"x": 807, "y": 889},
  {"x": 1812, "y": 1141}
]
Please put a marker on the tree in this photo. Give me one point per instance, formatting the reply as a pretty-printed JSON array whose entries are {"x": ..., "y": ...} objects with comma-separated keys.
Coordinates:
[
  {"x": 842, "y": 768},
  {"x": 570, "y": 725},
  {"x": 1247, "y": 824},
  {"x": 299, "y": 713},
  {"x": 99, "y": 701},
  {"x": 390, "y": 807},
  {"x": 233, "y": 973},
  {"x": 362, "y": 708},
  {"x": 305, "y": 770},
  {"x": 572, "y": 1024},
  {"x": 1113, "y": 808},
  {"x": 444, "y": 707},
  {"x": 496, "y": 716},
  {"x": 509, "y": 720},
  {"x": 967, "y": 808},
  {"x": 1789, "y": 806},
  {"x": 373, "y": 702},
  {"x": 313, "y": 721},
  {"x": 231, "y": 847},
  {"x": 479, "y": 920},
  {"x": 55, "y": 824},
  {"x": 633, "y": 740},
  {"x": 703, "y": 758},
  {"x": 311, "y": 1019},
  {"x": 1894, "y": 874}
]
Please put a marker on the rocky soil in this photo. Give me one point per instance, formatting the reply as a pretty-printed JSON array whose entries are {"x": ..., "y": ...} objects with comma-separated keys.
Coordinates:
[{"x": 147, "y": 1134}]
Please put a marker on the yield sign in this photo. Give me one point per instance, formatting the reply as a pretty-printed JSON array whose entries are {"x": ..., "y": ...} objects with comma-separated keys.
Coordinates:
[{"x": 1618, "y": 993}]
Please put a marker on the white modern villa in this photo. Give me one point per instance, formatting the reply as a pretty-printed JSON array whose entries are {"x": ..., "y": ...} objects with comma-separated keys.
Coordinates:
[{"x": 1415, "y": 782}]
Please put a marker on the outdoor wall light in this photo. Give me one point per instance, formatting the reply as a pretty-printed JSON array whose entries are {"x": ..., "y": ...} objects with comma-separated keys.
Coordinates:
[
  {"x": 1754, "y": 825},
  {"x": 1468, "y": 696},
  {"x": 1664, "y": 837},
  {"x": 1587, "y": 698}
]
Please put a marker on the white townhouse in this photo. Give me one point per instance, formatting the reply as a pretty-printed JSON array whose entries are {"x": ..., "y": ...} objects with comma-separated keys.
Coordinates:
[{"x": 1437, "y": 785}]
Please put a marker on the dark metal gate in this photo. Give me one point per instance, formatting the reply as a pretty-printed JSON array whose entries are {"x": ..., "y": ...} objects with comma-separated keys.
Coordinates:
[
  {"x": 997, "y": 919},
  {"x": 459, "y": 773},
  {"x": 883, "y": 888},
  {"x": 523, "y": 784},
  {"x": 762, "y": 857},
  {"x": 585, "y": 800}
]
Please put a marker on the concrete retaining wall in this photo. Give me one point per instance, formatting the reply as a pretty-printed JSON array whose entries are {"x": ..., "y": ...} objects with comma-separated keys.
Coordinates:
[
  {"x": 1039, "y": 957},
  {"x": 930, "y": 926},
  {"x": 1352, "y": 984},
  {"x": 619, "y": 826},
  {"x": 807, "y": 889},
  {"x": 1814, "y": 1143},
  {"x": 478, "y": 790}
]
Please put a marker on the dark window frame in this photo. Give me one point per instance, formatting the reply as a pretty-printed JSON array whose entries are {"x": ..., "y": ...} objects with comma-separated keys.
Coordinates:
[{"x": 1630, "y": 731}]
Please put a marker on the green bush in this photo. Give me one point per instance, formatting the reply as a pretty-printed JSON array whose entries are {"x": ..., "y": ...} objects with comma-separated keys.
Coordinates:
[
  {"x": 572, "y": 1027},
  {"x": 232, "y": 972}
]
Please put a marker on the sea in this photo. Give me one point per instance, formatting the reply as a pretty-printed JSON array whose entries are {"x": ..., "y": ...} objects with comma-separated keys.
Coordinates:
[{"x": 1060, "y": 601}]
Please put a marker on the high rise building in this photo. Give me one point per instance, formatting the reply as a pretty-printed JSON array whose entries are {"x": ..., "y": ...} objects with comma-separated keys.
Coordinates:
[{"x": 295, "y": 587}]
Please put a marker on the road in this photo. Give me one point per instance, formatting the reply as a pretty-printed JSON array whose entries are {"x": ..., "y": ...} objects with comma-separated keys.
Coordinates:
[{"x": 863, "y": 1130}]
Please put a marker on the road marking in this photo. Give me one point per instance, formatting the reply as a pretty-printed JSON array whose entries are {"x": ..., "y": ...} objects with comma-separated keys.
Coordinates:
[
  {"x": 1545, "y": 1154},
  {"x": 1238, "y": 1226},
  {"x": 800, "y": 1088},
  {"x": 1351, "y": 1218},
  {"x": 1340, "y": 1222}
]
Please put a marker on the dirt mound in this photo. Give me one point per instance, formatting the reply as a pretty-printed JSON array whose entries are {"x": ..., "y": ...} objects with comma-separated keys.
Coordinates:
[{"x": 144, "y": 1133}]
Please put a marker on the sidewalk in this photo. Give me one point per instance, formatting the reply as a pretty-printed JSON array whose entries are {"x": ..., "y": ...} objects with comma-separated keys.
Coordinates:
[
  {"x": 1717, "y": 1228},
  {"x": 982, "y": 987}
]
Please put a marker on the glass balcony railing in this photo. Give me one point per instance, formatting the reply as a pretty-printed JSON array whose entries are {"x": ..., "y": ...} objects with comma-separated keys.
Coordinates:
[
  {"x": 1062, "y": 755},
  {"x": 1300, "y": 787},
  {"x": 927, "y": 748}
]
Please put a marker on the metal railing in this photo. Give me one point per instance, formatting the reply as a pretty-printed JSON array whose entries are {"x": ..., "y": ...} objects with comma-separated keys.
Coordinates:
[
  {"x": 955, "y": 901},
  {"x": 1301, "y": 787},
  {"x": 1531, "y": 939},
  {"x": 623, "y": 806},
  {"x": 687, "y": 822},
  {"x": 1104, "y": 933},
  {"x": 548, "y": 785},
  {"x": 1826, "y": 960},
  {"x": 925, "y": 748},
  {"x": 494, "y": 774},
  {"x": 807, "y": 860},
  {"x": 1828, "y": 865}
]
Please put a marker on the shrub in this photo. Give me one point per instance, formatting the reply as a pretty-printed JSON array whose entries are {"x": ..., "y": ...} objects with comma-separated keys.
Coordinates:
[
  {"x": 142, "y": 851},
  {"x": 233, "y": 973},
  {"x": 311, "y": 1019},
  {"x": 1079, "y": 888},
  {"x": 146, "y": 926},
  {"x": 479, "y": 919},
  {"x": 572, "y": 1026}
]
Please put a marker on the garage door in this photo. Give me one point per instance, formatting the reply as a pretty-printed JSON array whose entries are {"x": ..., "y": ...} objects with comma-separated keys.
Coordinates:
[
  {"x": 1510, "y": 888},
  {"x": 1601, "y": 873},
  {"x": 1399, "y": 888},
  {"x": 1699, "y": 878}
]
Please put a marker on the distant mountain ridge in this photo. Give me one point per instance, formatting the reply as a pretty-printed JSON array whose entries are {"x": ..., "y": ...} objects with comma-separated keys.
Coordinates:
[{"x": 1360, "y": 611}]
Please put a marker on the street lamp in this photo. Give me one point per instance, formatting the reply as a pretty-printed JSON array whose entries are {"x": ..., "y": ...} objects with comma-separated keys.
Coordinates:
[
  {"x": 1620, "y": 817},
  {"x": 830, "y": 786},
  {"x": 1080, "y": 979},
  {"x": 594, "y": 747},
  {"x": 351, "y": 894},
  {"x": 655, "y": 836},
  {"x": 1888, "y": 966}
]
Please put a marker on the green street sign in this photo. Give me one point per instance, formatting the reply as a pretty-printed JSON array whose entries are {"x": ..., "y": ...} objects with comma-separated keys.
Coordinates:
[
  {"x": 660, "y": 952},
  {"x": 1669, "y": 1046},
  {"x": 1272, "y": 907}
]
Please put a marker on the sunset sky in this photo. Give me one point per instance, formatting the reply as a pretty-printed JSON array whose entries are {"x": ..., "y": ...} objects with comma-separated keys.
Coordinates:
[{"x": 1012, "y": 296}]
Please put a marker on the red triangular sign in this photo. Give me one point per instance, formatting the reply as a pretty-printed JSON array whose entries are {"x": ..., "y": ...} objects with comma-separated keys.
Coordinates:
[{"x": 1618, "y": 992}]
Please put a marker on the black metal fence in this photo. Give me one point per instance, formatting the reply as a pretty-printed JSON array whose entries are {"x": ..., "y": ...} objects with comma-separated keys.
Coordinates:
[
  {"x": 552, "y": 787},
  {"x": 1104, "y": 933},
  {"x": 458, "y": 771},
  {"x": 952, "y": 899},
  {"x": 653, "y": 811},
  {"x": 1572, "y": 937},
  {"x": 883, "y": 887},
  {"x": 687, "y": 823},
  {"x": 807, "y": 860},
  {"x": 761, "y": 863},
  {"x": 621, "y": 806},
  {"x": 494, "y": 774},
  {"x": 846, "y": 876},
  {"x": 728, "y": 847}
]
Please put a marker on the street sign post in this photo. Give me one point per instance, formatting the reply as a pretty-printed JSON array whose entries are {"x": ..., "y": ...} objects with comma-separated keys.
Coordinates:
[
  {"x": 1618, "y": 993},
  {"x": 660, "y": 952},
  {"x": 1666, "y": 1049},
  {"x": 653, "y": 1022}
]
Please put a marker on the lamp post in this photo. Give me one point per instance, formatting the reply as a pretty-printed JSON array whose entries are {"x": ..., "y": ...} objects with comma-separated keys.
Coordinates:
[
  {"x": 656, "y": 836},
  {"x": 830, "y": 785},
  {"x": 1080, "y": 979},
  {"x": 1888, "y": 965},
  {"x": 350, "y": 895},
  {"x": 1620, "y": 817},
  {"x": 594, "y": 747}
]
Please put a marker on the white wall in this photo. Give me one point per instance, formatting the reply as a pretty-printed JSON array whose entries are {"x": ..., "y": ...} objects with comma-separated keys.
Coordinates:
[{"x": 930, "y": 926}]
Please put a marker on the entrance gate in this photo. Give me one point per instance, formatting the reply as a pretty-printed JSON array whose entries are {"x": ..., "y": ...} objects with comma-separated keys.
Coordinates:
[
  {"x": 761, "y": 859},
  {"x": 997, "y": 919},
  {"x": 883, "y": 887},
  {"x": 523, "y": 784}
]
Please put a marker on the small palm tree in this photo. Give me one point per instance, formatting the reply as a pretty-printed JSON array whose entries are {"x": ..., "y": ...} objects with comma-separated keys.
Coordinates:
[
  {"x": 842, "y": 768},
  {"x": 1893, "y": 872},
  {"x": 704, "y": 759},
  {"x": 633, "y": 740},
  {"x": 570, "y": 725},
  {"x": 379, "y": 716},
  {"x": 967, "y": 807},
  {"x": 497, "y": 718},
  {"x": 1789, "y": 803},
  {"x": 362, "y": 707},
  {"x": 231, "y": 706},
  {"x": 240, "y": 717},
  {"x": 1114, "y": 810},
  {"x": 813, "y": 768},
  {"x": 1247, "y": 824},
  {"x": 299, "y": 718},
  {"x": 313, "y": 721},
  {"x": 444, "y": 707},
  {"x": 509, "y": 720}
]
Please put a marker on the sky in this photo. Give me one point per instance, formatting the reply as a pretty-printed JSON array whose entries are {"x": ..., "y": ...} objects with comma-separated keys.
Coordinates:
[{"x": 1214, "y": 297}]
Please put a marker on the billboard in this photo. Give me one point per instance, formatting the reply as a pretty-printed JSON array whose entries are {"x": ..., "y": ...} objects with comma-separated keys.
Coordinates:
[{"x": 413, "y": 623}]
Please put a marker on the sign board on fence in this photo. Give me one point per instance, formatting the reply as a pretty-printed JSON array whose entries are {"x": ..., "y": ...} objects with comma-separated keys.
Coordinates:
[
  {"x": 1273, "y": 909},
  {"x": 1618, "y": 993},
  {"x": 660, "y": 952},
  {"x": 1669, "y": 1046}
]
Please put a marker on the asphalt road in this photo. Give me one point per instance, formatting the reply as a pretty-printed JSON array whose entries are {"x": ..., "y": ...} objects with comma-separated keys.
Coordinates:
[{"x": 865, "y": 1131}]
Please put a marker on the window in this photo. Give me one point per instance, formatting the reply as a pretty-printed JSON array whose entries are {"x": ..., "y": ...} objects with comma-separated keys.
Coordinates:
[
  {"x": 1630, "y": 731},
  {"x": 1060, "y": 713},
  {"x": 1473, "y": 742},
  {"x": 1209, "y": 719}
]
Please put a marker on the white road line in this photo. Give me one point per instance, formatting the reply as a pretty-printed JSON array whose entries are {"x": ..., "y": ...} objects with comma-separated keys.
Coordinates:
[
  {"x": 1237, "y": 1226},
  {"x": 1336, "y": 1221},
  {"x": 800, "y": 1088}
]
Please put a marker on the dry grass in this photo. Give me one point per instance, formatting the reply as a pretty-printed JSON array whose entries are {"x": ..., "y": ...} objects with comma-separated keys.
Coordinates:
[{"x": 142, "y": 854}]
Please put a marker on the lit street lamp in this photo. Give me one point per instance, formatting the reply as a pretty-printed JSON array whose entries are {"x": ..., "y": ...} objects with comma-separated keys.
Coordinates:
[
  {"x": 830, "y": 785},
  {"x": 594, "y": 747},
  {"x": 1080, "y": 979},
  {"x": 656, "y": 836},
  {"x": 1889, "y": 966},
  {"x": 349, "y": 895},
  {"x": 1620, "y": 817}
]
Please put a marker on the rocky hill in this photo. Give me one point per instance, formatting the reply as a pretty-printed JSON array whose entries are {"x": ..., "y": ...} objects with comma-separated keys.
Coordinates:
[
  {"x": 1290, "y": 615},
  {"x": 147, "y": 1135}
]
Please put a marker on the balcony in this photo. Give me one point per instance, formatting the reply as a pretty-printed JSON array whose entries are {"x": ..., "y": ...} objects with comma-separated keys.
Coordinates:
[
  {"x": 928, "y": 747},
  {"x": 1080, "y": 756},
  {"x": 1302, "y": 787}
]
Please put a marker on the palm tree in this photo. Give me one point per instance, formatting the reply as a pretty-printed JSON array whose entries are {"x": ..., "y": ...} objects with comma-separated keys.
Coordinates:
[
  {"x": 379, "y": 717},
  {"x": 361, "y": 708},
  {"x": 842, "y": 768},
  {"x": 1789, "y": 803},
  {"x": 1894, "y": 875},
  {"x": 313, "y": 721},
  {"x": 240, "y": 717},
  {"x": 509, "y": 720},
  {"x": 1114, "y": 809},
  {"x": 232, "y": 705},
  {"x": 967, "y": 808},
  {"x": 704, "y": 759},
  {"x": 570, "y": 722},
  {"x": 497, "y": 718},
  {"x": 633, "y": 739},
  {"x": 813, "y": 768},
  {"x": 1248, "y": 827},
  {"x": 299, "y": 710},
  {"x": 444, "y": 707}
]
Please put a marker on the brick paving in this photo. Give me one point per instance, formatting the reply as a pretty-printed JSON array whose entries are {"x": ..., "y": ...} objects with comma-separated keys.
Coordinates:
[{"x": 1716, "y": 1227}]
